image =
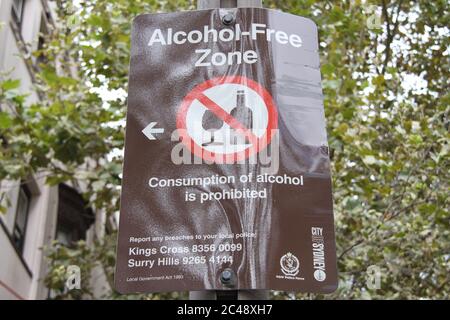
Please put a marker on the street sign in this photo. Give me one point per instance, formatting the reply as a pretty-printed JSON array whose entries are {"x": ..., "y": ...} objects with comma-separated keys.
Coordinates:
[{"x": 226, "y": 181}]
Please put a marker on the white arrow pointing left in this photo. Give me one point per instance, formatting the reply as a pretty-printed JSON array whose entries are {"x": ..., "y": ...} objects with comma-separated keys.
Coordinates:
[{"x": 150, "y": 130}]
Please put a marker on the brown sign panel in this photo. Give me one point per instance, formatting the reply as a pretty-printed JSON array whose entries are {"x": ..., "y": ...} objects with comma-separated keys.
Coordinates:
[{"x": 226, "y": 179}]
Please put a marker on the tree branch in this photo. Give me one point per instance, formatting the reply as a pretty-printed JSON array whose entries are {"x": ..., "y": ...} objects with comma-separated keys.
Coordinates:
[{"x": 390, "y": 33}]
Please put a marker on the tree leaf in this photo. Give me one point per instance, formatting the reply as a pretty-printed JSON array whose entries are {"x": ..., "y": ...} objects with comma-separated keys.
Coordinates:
[
  {"x": 5, "y": 120},
  {"x": 10, "y": 84}
]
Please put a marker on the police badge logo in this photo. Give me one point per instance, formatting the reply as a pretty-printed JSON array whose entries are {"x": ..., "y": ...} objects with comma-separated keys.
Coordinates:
[{"x": 289, "y": 265}]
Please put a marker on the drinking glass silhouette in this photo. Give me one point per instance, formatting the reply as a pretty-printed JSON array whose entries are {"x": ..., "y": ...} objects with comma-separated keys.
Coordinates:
[{"x": 211, "y": 123}]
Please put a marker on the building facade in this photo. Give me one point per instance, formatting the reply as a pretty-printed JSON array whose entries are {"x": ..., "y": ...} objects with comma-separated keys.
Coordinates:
[{"x": 37, "y": 213}]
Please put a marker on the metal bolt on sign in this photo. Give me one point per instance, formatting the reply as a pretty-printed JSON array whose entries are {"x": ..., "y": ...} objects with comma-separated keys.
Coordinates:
[{"x": 228, "y": 19}]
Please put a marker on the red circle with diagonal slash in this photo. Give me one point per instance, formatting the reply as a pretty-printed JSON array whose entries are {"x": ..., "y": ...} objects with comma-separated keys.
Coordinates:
[{"x": 258, "y": 144}]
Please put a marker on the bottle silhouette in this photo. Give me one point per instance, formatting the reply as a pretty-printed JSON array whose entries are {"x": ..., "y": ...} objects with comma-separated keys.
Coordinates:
[{"x": 244, "y": 115}]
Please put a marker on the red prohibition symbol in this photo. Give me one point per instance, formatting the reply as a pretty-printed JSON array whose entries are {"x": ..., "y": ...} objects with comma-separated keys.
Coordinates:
[{"x": 208, "y": 94}]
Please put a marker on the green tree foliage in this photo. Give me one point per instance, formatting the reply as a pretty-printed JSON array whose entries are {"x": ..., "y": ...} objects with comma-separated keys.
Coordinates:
[{"x": 385, "y": 68}]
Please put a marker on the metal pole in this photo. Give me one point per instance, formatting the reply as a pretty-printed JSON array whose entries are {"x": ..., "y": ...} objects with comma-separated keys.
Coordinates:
[
  {"x": 214, "y": 4},
  {"x": 231, "y": 294}
]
